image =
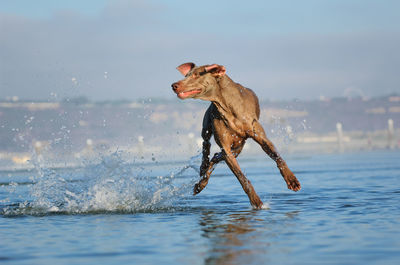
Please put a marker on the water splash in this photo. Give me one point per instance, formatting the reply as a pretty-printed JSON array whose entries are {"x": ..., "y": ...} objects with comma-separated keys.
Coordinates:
[{"x": 113, "y": 185}]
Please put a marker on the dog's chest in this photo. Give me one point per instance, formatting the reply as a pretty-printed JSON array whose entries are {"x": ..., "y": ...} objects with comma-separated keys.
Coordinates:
[{"x": 227, "y": 124}]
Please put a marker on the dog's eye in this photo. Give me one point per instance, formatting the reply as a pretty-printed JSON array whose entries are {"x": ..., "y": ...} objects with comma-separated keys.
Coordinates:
[
  {"x": 203, "y": 73},
  {"x": 195, "y": 75}
]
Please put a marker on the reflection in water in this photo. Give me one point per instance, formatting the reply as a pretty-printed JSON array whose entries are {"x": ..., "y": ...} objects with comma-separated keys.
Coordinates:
[{"x": 240, "y": 237}]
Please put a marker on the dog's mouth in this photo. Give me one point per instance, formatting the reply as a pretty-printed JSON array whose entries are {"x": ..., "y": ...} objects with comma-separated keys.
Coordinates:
[{"x": 188, "y": 93}]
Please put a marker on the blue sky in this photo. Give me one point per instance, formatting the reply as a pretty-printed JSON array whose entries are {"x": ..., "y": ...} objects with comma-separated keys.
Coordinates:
[
  {"x": 129, "y": 49},
  {"x": 264, "y": 16},
  {"x": 43, "y": 9}
]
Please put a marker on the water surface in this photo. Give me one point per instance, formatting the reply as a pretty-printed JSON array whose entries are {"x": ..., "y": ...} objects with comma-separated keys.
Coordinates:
[{"x": 348, "y": 212}]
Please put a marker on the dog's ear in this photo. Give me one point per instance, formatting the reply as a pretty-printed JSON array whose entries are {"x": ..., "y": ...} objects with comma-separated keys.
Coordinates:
[
  {"x": 185, "y": 68},
  {"x": 215, "y": 69}
]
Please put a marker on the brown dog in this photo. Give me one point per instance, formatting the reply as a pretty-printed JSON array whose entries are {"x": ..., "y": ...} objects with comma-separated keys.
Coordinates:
[{"x": 232, "y": 118}]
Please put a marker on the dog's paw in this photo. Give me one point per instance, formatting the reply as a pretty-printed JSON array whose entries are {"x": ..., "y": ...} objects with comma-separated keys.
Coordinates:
[
  {"x": 293, "y": 183},
  {"x": 197, "y": 189}
]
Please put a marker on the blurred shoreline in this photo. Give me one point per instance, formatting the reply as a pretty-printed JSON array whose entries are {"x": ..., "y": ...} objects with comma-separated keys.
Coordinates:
[{"x": 74, "y": 131}]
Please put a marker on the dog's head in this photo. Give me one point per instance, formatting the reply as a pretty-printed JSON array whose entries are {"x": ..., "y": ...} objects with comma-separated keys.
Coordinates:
[{"x": 200, "y": 81}]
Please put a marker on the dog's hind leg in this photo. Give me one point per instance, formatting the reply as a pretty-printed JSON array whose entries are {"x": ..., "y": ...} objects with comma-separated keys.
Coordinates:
[{"x": 258, "y": 134}]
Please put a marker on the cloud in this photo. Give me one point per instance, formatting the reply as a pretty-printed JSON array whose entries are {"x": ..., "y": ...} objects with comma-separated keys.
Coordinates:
[{"x": 139, "y": 44}]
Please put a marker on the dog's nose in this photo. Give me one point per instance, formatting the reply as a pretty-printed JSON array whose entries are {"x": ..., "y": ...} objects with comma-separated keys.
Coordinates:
[{"x": 175, "y": 86}]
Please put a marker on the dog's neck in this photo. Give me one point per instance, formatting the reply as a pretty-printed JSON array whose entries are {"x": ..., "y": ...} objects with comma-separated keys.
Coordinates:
[{"x": 227, "y": 90}]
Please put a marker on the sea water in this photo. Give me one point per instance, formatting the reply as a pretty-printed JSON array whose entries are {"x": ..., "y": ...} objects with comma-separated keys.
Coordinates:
[{"x": 126, "y": 212}]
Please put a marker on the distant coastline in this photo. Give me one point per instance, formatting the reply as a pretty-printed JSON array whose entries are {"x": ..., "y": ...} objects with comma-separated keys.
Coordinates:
[{"x": 72, "y": 129}]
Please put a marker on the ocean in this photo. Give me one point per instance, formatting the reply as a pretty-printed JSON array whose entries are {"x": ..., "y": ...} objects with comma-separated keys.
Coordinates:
[{"x": 122, "y": 211}]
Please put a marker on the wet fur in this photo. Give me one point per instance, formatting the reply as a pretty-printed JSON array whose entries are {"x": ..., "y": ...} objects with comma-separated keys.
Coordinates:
[{"x": 232, "y": 118}]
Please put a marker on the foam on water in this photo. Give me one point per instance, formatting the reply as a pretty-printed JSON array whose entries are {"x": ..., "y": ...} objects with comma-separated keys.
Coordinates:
[
  {"x": 265, "y": 206},
  {"x": 113, "y": 185}
]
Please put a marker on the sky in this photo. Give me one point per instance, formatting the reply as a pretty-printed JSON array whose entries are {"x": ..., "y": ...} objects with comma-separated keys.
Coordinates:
[{"x": 283, "y": 50}]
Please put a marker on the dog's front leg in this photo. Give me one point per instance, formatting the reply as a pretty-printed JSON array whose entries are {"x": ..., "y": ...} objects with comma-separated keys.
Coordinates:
[
  {"x": 205, "y": 173},
  {"x": 218, "y": 157},
  {"x": 206, "y": 134},
  {"x": 232, "y": 163},
  {"x": 205, "y": 162}
]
